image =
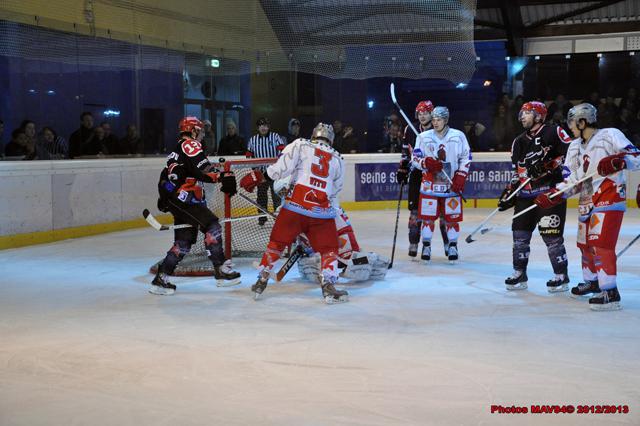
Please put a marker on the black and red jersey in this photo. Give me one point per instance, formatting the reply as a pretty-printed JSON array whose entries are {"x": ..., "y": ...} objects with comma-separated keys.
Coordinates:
[{"x": 550, "y": 138}]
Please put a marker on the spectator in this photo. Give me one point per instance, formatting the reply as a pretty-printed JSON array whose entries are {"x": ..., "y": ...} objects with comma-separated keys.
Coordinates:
[
  {"x": 349, "y": 141},
  {"x": 111, "y": 141},
  {"x": 634, "y": 130},
  {"x": 265, "y": 144},
  {"x": 503, "y": 129},
  {"x": 474, "y": 130},
  {"x": 608, "y": 113},
  {"x": 560, "y": 104},
  {"x": 624, "y": 122},
  {"x": 98, "y": 145},
  {"x": 209, "y": 139},
  {"x": 232, "y": 143},
  {"x": 337, "y": 141},
  {"x": 80, "y": 140},
  {"x": 293, "y": 130},
  {"x": 20, "y": 145},
  {"x": 29, "y": 128},
  {"x": 393, "y": 141},
  {"x": 131, "y": 143},
  {"x": 54, "y": 145},
  {"x": 630, "y": 101}
]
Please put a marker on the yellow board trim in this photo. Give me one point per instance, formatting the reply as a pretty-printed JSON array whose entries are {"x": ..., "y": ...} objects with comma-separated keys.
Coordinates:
[{"x": 43, "y": 237}]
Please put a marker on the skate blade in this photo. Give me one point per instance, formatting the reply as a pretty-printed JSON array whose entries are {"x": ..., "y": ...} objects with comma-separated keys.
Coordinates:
[
  {"x": 453, "y": 261},
  {"x": 558, "y": 289},
  {"x": 611, "y": 306},
  {"x": 159, "y": 291},
  {"x": 228, "y": 283},
  {"x": 257, "y": 296},
  {"x": 519, "y": 286},
  {"x": 330, "y": 300}
]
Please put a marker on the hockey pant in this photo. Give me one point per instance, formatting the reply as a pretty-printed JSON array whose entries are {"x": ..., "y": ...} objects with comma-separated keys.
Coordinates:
[
  {"x": 203, "y": 220},
  {"x": 321, "y": 233},
  {"x": 550, "y": 224},
  {"x": 597, "y": 237},
  {"x": 448, "y": 209}
]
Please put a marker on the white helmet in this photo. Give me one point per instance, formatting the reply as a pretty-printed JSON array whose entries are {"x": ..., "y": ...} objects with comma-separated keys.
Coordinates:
[
  {"x": 323, "y": 131},
  {"x": 583, "y": 111},
  {"x": 440, "y": 112}
]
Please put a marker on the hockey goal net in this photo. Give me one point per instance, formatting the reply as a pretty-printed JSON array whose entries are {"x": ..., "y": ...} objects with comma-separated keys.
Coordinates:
[{"x": 245, "y": 228}]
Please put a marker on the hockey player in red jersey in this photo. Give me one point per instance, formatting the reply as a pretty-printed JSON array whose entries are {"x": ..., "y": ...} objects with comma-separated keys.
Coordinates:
[
  {"x": 309, "y": 207},
  {"x": 602, "y": 200},
  {"x": 182, "y": 194}
]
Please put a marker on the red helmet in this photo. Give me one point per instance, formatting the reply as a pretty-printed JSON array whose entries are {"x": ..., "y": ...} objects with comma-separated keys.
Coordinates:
[
  {"x": 538, "y": 108},
  {"x": 189, "y": 124},
  {"x": 424, "y": 106}
]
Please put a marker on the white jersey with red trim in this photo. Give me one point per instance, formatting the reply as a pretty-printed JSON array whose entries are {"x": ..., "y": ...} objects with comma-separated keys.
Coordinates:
[
  {"x": 452, "y": 150},
  {"x": 598, "y": 193},
  {"x": 316, "y": 171}
]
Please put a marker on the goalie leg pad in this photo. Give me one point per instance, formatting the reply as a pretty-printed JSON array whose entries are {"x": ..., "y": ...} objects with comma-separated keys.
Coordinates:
[
  {"x": 359, "y": 268},
  {"x": 379, "y": 266},
  {"x": 309, "y": 267}
]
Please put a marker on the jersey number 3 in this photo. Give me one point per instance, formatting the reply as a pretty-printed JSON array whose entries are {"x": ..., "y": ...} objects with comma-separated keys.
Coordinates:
[{"x": 322, "y": 168}]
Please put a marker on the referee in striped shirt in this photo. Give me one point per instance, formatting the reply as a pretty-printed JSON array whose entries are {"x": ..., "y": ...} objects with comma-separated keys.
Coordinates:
[{"x": 266, "y": 144}]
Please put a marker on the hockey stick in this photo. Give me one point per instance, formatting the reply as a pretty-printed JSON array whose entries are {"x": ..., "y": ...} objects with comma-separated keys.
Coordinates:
[
  {"x": 632, "y": 242},
  {"x": 469, "y": 238},
  {"x": 392, "y": 89},
  {"x": 395, "y": 233},
  {"x": 258, "y": 206},
  {"x": 155, "y": 224}
]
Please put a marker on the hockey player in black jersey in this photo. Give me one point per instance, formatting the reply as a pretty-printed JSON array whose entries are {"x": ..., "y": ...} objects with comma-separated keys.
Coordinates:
[
  {"x": 406, "y": 174},
  {"x": 538, "y": 153},
  {"x": 182, "y": 194}
]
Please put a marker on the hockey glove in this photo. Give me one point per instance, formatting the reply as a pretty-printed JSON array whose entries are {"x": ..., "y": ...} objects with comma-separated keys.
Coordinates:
[
  {"x": 503, "y": 203},
  {"x": 612, "y": 164},
  {"x": 638, "y": 196},
  {"x": 432, "y": 165},
  {"x": 402, "y": 175},
  {"x": 544, "y": 201},
  {"x": 459, "y": 178},
  {"x": 534, "y": 163},
  {"x": 253, "y": 179},
  {"x": 229, "y": 184}
]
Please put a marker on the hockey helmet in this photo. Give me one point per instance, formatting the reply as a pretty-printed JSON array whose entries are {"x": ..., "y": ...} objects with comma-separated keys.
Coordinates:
[
  {"x": 323, "y": 131},
  {"x": 585, "y": 111},
  {"x": 424, "y": 106},
  {"x": 189, "y": 124},
  {"x": 441, "y": 112},
  {"x": 539, "y": 110}
]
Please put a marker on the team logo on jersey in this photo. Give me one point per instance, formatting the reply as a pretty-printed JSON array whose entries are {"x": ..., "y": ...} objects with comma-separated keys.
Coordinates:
[
  {"x": 585, "y": 163},
  {"x": 442, "y": 153},
  {"x": 595, "y": 224},
  {"x": 418, "y": 153},
  {"x": 564, "y": 136},
  {"x": 191, "y": 147},
  {"x": 552, "y": 221}
]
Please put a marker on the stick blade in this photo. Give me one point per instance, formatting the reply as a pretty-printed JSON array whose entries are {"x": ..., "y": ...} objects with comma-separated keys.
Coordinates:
[{"x": 469, "y": 240}]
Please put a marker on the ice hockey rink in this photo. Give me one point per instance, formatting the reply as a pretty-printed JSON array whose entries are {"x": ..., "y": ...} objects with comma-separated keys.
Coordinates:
[{"x": 84, "y": 343}]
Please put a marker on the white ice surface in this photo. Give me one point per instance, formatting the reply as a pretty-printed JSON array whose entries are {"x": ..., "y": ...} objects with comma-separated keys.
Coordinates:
[{"x": 82, "y": 342}]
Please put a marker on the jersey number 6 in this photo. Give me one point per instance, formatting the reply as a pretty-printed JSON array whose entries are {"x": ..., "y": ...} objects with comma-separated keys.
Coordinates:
[{"x": 322, "y": 168}]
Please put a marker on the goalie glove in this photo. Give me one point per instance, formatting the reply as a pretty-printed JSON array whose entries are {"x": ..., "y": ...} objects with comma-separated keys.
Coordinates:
[{"x": 253, "y": 179}]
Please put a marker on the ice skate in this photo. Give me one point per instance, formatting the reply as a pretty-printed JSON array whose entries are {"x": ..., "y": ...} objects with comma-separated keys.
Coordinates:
[
  {"x": 413, "y": 251},
  {"x": 426, "y": 251},
  {"x": 331, "y": 294},
  {"x": 585, "y": 289},
  {"x": 452, "y": 253},
  {"x": 606, "y": 300},
  {"x": 558, "y": 283},
  {"x": 225, "y": 275},
  {"x": 517, "y": 281},
  {"x": 161, "y": 286}
]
